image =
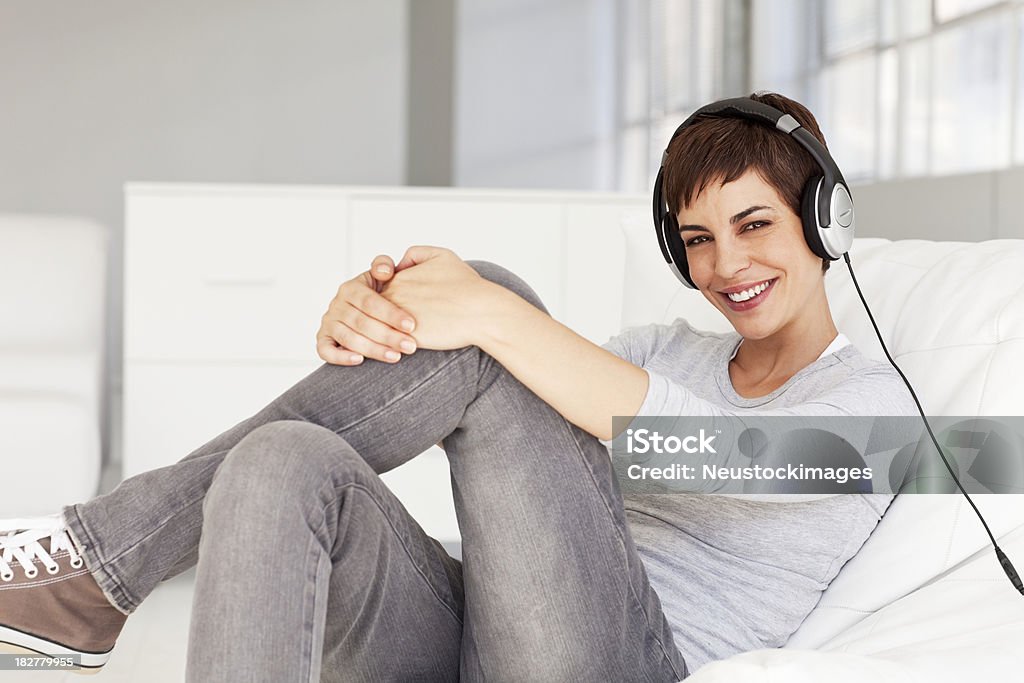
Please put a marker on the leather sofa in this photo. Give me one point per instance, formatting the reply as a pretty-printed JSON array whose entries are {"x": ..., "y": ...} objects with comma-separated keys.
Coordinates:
[
  {"x": 925, "y": 598},
  {"x": 52, "y": 293}
]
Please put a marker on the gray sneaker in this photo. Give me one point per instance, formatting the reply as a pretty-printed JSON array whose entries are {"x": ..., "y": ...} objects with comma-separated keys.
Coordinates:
[{"x": 49, "y": 602}]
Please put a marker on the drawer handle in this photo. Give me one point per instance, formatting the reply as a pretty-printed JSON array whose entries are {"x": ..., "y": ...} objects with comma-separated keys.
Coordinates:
[{"x": 238, "y": 281}]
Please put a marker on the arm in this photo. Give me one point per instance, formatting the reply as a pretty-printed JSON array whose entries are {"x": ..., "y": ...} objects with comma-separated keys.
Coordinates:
[
  {"x": 454, "y": 307},
  {"x": 586, "y": 384}
]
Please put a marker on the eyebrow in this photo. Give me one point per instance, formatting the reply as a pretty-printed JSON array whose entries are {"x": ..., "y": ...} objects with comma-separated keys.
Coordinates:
[{"x": 735, "y": 219}]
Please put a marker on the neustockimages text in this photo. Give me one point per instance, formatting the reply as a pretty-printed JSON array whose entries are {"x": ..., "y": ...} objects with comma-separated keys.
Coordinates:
[{"x": 645, "y": 441}]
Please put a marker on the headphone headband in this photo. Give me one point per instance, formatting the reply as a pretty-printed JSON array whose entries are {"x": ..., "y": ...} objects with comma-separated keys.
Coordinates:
[{"x": 826, "y": 207}]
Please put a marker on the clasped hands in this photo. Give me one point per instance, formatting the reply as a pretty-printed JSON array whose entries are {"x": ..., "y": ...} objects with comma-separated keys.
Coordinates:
[{"x": 430, "y": 299}]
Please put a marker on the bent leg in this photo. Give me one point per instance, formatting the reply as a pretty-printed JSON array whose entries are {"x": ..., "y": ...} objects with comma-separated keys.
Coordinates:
[
  {"x": 309, "y": 566},
  {"x": 147, "y": 529},
  {"x": 554, "y": 586}
]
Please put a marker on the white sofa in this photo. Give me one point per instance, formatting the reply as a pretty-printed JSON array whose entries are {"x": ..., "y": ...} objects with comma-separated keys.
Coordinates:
[
  {"x": 52, "y": 292},
  {"x": 925, "y": 599}
]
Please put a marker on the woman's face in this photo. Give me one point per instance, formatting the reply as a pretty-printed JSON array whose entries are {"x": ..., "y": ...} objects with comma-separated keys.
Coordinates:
[{"x": 740, "y": 235}]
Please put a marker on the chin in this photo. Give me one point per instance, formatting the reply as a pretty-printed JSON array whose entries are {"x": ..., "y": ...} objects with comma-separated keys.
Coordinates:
[{"x": 752, "y": 332}]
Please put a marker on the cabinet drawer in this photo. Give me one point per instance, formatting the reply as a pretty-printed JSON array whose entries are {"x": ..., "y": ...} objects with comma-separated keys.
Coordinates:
[{"x": 211, "y": 277}]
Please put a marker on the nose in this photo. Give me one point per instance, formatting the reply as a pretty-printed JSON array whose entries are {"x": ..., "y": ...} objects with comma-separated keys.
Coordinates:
[{"x": 730, "y": 258}]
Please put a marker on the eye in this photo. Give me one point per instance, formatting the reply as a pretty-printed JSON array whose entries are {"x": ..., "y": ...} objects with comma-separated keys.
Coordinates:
[{"x": 756, "y": 225}]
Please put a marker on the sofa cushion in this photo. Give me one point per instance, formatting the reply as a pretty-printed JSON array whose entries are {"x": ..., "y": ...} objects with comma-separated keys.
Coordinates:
[
  {"x": 52, "y": 273},
  {"x": 966, "y": 625},
  {"x": 65, "y": 372},
  {"x": 52, "y": 279},
  {"x": 920, "y": 540},
  {"x": 51, "y": 452}
]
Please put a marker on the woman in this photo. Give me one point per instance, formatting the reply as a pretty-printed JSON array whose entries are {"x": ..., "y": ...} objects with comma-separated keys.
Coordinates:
[{"x": 310, "y": 569}]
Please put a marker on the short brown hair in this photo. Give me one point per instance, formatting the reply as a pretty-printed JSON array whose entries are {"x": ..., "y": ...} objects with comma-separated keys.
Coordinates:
[{"x": 725, "y": 148}]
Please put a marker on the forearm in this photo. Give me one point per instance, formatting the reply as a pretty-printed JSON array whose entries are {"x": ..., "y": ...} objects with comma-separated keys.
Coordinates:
[{"x": 586, "y": 384}]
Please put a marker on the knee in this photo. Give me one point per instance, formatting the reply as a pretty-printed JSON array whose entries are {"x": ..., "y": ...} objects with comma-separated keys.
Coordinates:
[
  {"x": 507, "y": 279},
  {"x": 282, "y": 459}
]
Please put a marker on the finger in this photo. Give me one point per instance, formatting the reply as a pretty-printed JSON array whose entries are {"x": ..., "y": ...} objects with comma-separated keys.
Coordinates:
[
  {"x": 380, "y": 308},
  {"x": 419, "y": 254},
  {"x": 354, "y": 341},
  {"x": 376, "y": 331},
  {"x": 330, "y": 352},
  {"x": 368, "y": 281},
  {"x": 382, "y": 268}
]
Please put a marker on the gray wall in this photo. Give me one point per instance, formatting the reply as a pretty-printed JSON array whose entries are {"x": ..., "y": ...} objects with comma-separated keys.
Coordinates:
[
  {"x": 431, "y": 92},
  {"x": 962, "y": 208},
  {"x": 93, "y": 94},
  {"x": 535, "y": 94}
]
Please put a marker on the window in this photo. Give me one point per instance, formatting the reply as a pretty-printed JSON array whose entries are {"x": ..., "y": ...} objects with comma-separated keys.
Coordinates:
[
  {"x": 671, "y": 61},
  {"x": 900, "y": 87},
  {"x": 908, "y": 87}
]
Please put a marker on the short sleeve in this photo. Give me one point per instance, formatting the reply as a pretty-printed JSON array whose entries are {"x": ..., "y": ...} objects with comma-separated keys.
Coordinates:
[
  {"x": 872, "y": 392},
  {"x": 639, "y": 343},
  {"x": 622, "y": 345}
]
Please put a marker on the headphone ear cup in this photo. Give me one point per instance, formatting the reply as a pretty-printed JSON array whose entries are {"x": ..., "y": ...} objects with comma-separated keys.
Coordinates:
[
  {"x": 677, "y": 249},
  {"x": 809, "y": 217}
]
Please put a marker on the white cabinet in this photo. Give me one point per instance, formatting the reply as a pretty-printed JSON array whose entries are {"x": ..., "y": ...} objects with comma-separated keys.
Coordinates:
[
  {"x": 212, "y": 276},
  {"x": 225, "y": 286}
]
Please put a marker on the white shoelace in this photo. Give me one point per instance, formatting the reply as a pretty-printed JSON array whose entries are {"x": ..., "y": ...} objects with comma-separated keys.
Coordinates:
[{"x": 22, "y": 544}]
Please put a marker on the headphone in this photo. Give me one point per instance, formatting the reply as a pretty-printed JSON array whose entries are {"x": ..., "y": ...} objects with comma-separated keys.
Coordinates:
[
  {"x": 826, "y": 212},
  {"x": 826, "y": 207}
]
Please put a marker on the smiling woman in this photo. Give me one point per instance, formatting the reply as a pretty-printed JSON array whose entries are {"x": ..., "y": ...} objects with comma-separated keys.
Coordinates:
[
  {"x": 721, "y": 149},
  {"x": 741, "y": 572},
  {"x": 739, "y": 188},
  {"x": 761, "y": 275}
]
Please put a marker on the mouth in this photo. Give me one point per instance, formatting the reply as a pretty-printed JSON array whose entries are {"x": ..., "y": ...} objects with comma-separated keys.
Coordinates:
[{"x": 752, "y": 302}]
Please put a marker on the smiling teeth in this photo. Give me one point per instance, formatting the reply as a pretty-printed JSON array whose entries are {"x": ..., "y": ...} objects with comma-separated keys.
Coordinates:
[{"x": 748, "y": 293}]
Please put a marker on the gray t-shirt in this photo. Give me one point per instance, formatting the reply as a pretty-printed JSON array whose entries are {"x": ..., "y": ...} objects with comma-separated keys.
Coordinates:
[{"x": 740, "y": 572}]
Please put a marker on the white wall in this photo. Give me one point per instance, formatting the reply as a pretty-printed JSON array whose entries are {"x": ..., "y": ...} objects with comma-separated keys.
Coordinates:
[
  {"x": 93, "y": 94},
  {"x": 535, "y": 94}
]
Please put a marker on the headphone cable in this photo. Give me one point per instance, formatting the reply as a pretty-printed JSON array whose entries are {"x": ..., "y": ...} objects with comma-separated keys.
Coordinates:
[{"x": 1004, "y": 561}]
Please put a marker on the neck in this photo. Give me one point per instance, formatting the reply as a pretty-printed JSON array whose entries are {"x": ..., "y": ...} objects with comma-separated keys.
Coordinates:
[{"x": 788, "y": 351}]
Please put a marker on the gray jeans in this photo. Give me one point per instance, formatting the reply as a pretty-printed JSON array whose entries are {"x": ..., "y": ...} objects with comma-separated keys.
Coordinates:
[{"x": 309, "y": 568}]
